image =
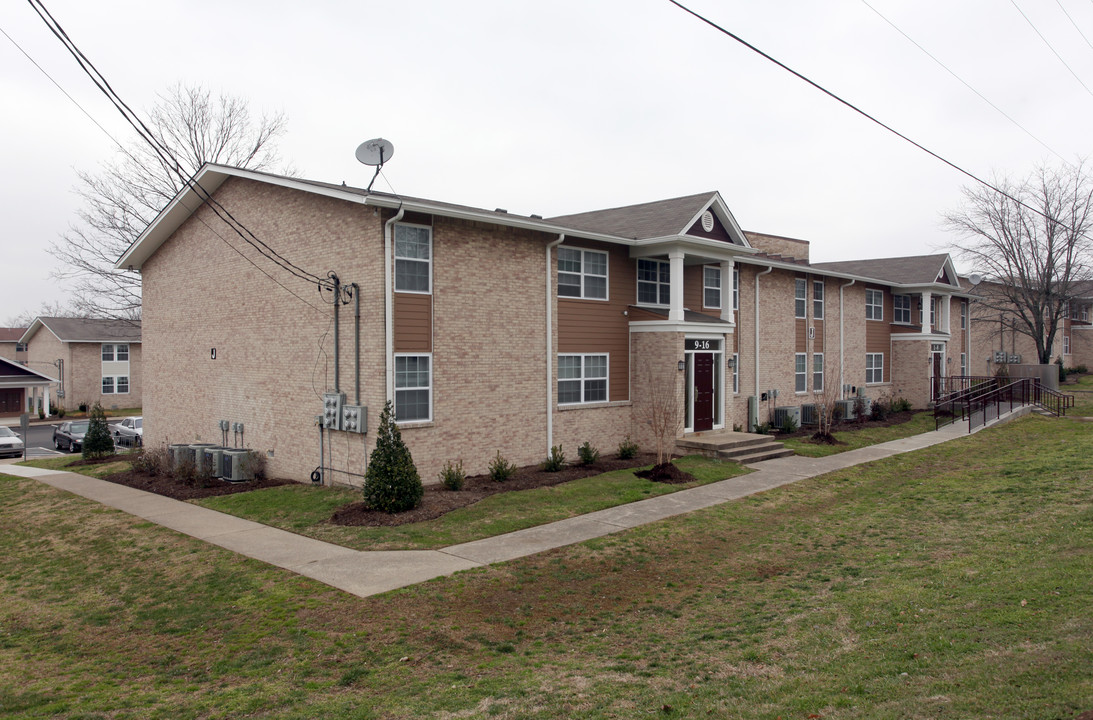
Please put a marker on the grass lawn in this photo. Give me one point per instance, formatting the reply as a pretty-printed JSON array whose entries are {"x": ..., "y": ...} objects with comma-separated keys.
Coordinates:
[
  {"x": 1083, "y": 396},
  {"x": 855, "y": 438},
  {"x": 953, "y": 582}
]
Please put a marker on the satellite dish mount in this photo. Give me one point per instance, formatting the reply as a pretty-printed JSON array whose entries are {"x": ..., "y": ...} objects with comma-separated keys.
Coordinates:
[{"x": 375, "y": 152}]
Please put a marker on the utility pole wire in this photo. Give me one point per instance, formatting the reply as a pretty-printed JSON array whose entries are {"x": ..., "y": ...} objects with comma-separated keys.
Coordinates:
[
  {"x": 866, "y": 115},
  {"x": 1051, "y": 47}
]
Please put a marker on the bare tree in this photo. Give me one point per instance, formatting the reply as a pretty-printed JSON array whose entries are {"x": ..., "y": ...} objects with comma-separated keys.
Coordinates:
[
  {"x": 46, "y": 309},
  {"x": 661, "y": 407},
  {"x": 126, "y": 194},
  {"x": 1033, "y": 255}
]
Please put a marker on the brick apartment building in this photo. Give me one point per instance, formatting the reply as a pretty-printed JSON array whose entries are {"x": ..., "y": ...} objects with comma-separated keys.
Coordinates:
[{"x": 493, "y": 332}]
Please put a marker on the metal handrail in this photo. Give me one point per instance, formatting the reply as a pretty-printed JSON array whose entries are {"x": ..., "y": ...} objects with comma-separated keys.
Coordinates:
[{"x": 983, "y": 401}]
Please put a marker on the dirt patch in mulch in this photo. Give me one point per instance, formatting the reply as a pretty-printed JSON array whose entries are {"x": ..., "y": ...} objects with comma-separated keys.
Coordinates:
[
  {"x": 171, "y": 487},
  {"x": 438, "y": 500},
  {"x": 666, "y": 473}
]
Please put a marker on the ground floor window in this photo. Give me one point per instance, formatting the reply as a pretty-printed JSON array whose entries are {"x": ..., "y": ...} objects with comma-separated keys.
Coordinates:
[
  {"x": 736, "y": 373},
  {"x": 801, "y": 372},
  {"x": 115, "y": 384},
  {"x": 874, "y": 368},
  {"x": 413, "y": 388},
  {"x": 964, "y": 364},
  {"x": 1066, "y": 344},
  {"x": 818, "y": 372},
  {"x": 582, "y": 379}
]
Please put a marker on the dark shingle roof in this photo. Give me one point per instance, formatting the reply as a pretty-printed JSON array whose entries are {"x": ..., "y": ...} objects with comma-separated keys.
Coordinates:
[
  {"x": 11, "y": 334},
  {"x": 93, "y": 329},
  {"x": 916, "y": 270},
  {"x": 646, "y": 220}
]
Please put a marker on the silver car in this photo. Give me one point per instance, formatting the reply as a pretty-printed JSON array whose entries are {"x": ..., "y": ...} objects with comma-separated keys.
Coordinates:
[
  {"x": 10, "y": 443},
  {"x": 129, "y": 431}
]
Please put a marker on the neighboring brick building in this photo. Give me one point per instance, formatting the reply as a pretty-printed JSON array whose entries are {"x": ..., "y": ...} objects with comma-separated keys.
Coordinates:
[
  {"x": 94, "y": 360},
  {"x": 493, "y": 332}
]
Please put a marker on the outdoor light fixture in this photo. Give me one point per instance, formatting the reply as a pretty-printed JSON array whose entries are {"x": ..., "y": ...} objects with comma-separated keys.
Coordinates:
[
  {"x": 681, "y": 364},
  {"x": 731, "y": 362}
]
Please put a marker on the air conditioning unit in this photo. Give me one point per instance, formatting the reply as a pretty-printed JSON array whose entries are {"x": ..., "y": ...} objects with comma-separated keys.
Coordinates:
[
  {"x": 214, "y": 461},
  {"x": 196, "y": 454},
  {"x": 847, "y": 409},
  {"x": 355, "y": 418},
  {"x": 783, "y": 414},
  {"x": 810, "y": 414},
  {"x": 239, "y": 469},
  {"x": 179, "y": 452},
  {"x": 204, "y": 462}
]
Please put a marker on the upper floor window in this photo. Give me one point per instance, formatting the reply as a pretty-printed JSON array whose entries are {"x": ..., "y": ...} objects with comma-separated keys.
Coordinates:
[
  {"x": 20, "y": 347},
  {"x": 735, "y": 288},
  {"x": 799, "y": 298},
  {"x": 901, "y": 309},
  {"x": 963, "y": 314},
  {"x": 115, "y": 353},
  {"x": 711, "y": 287},
  {"x": 654, "y": 282},
  {"x": 818, "y": 299},
  {"x": 874, "y": 304},
  {"x": 413, "y": 258},
  {"x": 582, "y": 273}
]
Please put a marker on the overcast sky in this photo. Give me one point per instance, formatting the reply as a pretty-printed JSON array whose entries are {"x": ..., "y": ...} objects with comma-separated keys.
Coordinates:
[{"x": 571, "y": 105}]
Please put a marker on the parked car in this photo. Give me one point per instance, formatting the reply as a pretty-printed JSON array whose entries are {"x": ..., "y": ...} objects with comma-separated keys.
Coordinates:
[
  {"x": 10, "y": 443},
  {"x": 69, "y": 435},
  {"x": 129, "y": 431}
]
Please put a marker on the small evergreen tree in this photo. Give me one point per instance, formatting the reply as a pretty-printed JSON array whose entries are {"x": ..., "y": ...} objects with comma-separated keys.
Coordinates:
[
  {"x": 391, "y": 482},
  {"x": 97, "y": 442}
]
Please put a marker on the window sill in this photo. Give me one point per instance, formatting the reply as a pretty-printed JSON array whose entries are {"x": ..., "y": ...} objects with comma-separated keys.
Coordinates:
[
  {"x": 593, "y": 406},
  {"x": 414, "y": 424}
]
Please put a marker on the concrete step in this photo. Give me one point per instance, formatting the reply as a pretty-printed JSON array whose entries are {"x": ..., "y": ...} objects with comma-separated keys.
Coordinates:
[
  {"x": 738, "y": 447},
  {"x": 766, "y": 454}
]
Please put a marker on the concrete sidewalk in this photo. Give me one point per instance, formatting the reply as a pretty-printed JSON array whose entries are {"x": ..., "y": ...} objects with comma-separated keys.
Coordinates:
[{"x": 365, "y": 573}]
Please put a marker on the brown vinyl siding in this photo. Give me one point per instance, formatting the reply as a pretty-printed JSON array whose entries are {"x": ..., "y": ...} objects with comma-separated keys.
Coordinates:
[
  {"x": 413, "y": 316},
  {"x": 693, "y": 295},
  {"x": 600, "y": 326},
  {"x": 802, "y": 335},
  {"x": 878, "y": 333}
]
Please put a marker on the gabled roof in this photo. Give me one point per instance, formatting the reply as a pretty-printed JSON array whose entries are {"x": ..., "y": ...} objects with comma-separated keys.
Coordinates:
[
  {"x": 905, "y": 271},
  {"x": 11, "y": 334},
  {"x": 13, "y": 374},
  {"x": 90, "y": 330},
  {"x": 658, "y": 219}
]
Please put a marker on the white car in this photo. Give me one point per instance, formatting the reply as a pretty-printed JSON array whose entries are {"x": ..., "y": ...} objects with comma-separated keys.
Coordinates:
[
  {"x": 129, "y": 431},
  {"x": 10, "y": 443}
]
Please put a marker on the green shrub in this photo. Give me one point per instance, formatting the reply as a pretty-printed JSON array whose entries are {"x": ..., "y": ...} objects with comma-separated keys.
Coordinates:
[
  {"x": 628, "y": 449},
  {"x": 391, "y": 482},
  {"x": 900, "y": 404},
  {"x": 501, "y": 469},
  {"x": 860, "y": 408},
  {"x": 97, "y": 442},
  {"x": 156, "y": 461},
  {"x": 763, "y": 429},
  {"x": 588, "y": 454},
  {"x": 878, "y": 411},
  {"x": 452, "y": 476},
  {"x": 789, "y": 424},
  {"x": 1062, "y": 370},
  {"x": 555, "y": 462}
]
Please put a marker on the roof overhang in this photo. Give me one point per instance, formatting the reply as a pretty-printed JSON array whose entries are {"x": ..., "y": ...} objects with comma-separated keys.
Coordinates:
[{"x": 31, "y": 378}]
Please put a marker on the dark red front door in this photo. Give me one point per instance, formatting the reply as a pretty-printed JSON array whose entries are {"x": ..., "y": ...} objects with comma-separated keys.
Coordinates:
[
  {"x": 937, "y": 376},
  {"x": 704, "y": 391}
]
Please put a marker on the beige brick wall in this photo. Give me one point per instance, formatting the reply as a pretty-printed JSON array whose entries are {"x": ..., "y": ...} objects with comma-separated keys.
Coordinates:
[
  {"x": 42, "y": 350},
  {"x": 655, "y": 361}
]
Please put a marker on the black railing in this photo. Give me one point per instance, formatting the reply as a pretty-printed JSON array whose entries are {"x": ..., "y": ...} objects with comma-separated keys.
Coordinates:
[{"x": 978, "y": 400}]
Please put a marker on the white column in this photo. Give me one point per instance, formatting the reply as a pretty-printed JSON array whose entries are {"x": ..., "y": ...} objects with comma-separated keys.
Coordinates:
[
  {"x": 927, "y": 326},
  {"x": 727, "y": 280},
  {"x": 46, "y": 401},
  {"x": 946, "y": 302},
  {"x": 675, "y": 307}
]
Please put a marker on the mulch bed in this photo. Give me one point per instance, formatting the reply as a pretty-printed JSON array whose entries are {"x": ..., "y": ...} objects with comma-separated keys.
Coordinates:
[
  {"x": 168, "y": 486},
  {"x": 438, "y": 500},
  {"x": 807, "y": 433}
]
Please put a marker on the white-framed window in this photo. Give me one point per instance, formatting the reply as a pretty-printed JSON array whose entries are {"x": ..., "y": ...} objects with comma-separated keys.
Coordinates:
[
  {"x": 413, "y": 258},
  {"x": 736, "y": 288},
  {"x": 901, "y": 309},
  {"x": 582, "y": 379},
  {"x": 107, "y": 352},
  {"x": 711, "y": 287},
  {"x": 800, "y": 372},
  {"x": 874, "y": 304},
  {"x": 20, "y": 347},
  {"x": 800, "y": 294},
  {"x": 413, "y": 388},
  {"x": 582, "y": 273},
  {"x": 874, "y": 368},
  {"x": 736, "y": 373},
  {"x": 818, "y": 299},
  {"x": 818, "y": 372},
  {"x": 654, "y": 282},
  {"x": 1066, "y": 344},
  {"x": 121, "y": 352},
  {"x": 115, "y": 385},
  {"x": 963, "y": 314},
  {"x": 964, "y": 364}
]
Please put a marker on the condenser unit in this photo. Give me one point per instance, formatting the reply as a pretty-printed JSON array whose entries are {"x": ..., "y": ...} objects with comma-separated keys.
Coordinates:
[
  {"x": 847, "y": 409},
  {"x": 214, "y": 461},
  {"x": 179, "y": 452},
  {"x": 784, "y": 414},
  {"x": 237, "y": 465},
  {"x": 196, "y": 455},
  {"x": 810, "y": 414}
]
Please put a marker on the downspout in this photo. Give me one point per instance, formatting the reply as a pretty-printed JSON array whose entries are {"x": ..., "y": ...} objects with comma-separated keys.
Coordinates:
[
  {"x": 389, "y": 301},
  {"x": 337, "y": 332},
  {"x": 756, "y": 349},
  {"x": 550, "y": 346},
  {"x": 842, "y": 342}
]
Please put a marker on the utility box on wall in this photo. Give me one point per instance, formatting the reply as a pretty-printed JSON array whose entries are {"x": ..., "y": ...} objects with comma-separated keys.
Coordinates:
[
  {"x": 355, "y": 418},
  {"x": 332, "y": 410}
]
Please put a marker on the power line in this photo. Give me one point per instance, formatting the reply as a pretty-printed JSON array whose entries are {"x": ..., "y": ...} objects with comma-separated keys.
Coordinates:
[
  {"x": 1050, "y": 47},
  {"x": 964, "y": 82},
  {"x": 869, "y": 117},
  {"x": 1074, "y": 24},
  {"x": 167, "y": 158}
]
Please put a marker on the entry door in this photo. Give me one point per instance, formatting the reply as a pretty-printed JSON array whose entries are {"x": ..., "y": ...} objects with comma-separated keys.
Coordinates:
[
  {"x": 937, "y": 376},
  {"x": 704, "y": 391}
]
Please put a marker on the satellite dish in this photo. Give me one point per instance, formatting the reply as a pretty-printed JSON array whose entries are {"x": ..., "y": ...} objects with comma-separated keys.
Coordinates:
[
  {"x": 375, "y": 152},
  {"x": 975, "y": 278}
]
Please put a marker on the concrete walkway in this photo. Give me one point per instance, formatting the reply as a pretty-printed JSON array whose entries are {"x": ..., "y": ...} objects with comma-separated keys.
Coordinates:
[{"x": 365, "y": 573}]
